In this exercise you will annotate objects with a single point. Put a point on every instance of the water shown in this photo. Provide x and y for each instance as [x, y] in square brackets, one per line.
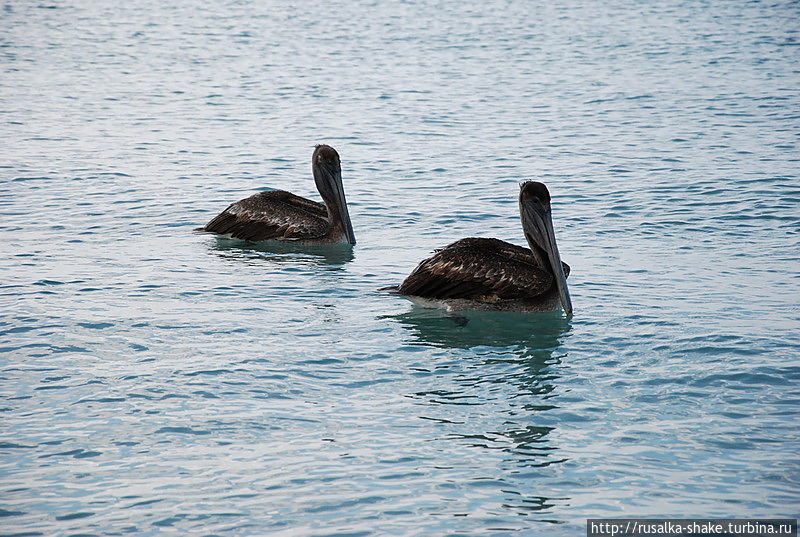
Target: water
[157, 380]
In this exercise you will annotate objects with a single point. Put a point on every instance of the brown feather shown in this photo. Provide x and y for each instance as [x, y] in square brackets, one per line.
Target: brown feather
[479, 269]
[272, 215]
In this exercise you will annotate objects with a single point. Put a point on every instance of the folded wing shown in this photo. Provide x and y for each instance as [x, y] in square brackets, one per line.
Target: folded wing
[271, 215]
[487, 269]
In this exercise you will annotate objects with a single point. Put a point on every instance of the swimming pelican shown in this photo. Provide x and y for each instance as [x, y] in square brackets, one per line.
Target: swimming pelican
[281, 216]
[490, 274]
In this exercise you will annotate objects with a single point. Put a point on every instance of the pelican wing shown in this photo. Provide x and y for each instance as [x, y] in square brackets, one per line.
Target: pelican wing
[486, 269]
[271, 215]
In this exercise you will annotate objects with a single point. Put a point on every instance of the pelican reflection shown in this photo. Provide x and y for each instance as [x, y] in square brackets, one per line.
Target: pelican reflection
[530, 333]
[496, 394]
[329, 256]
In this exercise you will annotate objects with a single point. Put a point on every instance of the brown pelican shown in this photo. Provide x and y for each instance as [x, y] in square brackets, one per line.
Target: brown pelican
[490, 274]
[281, 216]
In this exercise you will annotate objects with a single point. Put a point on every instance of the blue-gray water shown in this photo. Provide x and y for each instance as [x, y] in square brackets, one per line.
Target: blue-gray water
[158, 380]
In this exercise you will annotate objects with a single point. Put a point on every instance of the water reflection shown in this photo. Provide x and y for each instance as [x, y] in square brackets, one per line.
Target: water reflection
[534, 333]
[326, 256]
[508, 380]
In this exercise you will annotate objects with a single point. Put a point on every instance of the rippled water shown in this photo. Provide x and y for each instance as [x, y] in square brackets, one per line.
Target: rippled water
[158, 380]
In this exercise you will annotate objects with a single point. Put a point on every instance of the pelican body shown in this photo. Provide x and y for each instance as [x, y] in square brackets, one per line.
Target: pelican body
[490, 274]
[281, 216]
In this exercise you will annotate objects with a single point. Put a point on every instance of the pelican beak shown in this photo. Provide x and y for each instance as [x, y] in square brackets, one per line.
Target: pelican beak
[342, 202]
[538, 227]
[329, 182]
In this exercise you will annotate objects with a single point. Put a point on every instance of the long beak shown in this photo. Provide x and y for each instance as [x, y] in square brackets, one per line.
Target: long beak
[538, 227]
[341, 203]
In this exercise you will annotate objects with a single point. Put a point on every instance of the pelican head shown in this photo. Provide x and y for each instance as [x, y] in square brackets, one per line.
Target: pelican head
[328, 178]
[534, 210]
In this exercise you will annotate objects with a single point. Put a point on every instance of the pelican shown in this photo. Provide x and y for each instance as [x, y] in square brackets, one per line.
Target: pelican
[490, 274]
[281, 216]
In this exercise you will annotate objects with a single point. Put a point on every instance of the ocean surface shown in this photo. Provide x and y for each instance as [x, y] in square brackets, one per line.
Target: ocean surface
[155, 380]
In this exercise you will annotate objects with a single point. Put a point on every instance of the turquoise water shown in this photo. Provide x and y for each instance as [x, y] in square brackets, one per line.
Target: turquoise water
[155, 380]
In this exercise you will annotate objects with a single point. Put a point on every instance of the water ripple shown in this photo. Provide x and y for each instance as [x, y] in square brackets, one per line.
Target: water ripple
[155, 378]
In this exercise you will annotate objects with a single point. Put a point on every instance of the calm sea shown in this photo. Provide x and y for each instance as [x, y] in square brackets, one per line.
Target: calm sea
[155, 380]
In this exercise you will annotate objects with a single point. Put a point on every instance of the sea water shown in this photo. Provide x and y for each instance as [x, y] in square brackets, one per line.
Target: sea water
[158, 380]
